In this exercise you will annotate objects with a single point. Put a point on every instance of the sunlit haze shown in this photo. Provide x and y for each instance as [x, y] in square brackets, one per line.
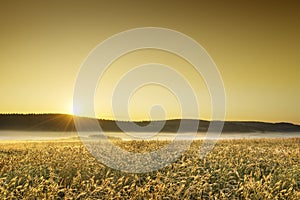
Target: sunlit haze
[255, 45]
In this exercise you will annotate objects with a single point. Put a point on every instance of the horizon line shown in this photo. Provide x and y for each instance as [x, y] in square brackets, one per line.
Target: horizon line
[142, 120]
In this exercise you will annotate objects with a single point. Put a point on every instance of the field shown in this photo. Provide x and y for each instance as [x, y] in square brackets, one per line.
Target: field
[235, 169]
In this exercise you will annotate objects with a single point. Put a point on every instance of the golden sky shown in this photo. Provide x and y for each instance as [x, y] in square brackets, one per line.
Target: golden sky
[255, 45]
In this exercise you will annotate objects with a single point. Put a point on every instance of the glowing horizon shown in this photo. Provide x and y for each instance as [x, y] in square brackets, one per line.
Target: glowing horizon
[254, 44]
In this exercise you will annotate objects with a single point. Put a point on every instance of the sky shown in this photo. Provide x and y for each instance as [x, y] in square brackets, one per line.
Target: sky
[255, 45]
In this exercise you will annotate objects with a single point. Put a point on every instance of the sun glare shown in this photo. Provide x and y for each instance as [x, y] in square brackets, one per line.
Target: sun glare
[70, 109]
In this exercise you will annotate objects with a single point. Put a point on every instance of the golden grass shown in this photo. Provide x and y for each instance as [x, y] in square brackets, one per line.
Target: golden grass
[235, 169]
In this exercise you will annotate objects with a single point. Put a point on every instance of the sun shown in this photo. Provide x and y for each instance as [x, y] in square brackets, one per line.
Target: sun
[69, 109]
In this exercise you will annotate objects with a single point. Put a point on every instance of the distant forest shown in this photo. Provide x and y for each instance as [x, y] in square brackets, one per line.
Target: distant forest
[63, 122]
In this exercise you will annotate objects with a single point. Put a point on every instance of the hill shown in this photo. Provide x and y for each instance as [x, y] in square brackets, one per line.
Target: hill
[62, 122]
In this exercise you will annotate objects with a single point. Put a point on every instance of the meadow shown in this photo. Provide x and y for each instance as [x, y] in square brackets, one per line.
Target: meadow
[235, 169]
